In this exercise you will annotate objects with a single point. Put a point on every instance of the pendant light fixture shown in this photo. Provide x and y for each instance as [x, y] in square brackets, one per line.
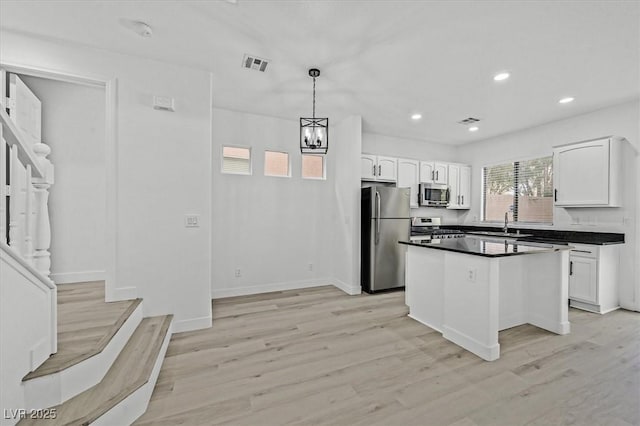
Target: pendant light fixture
[314, 132]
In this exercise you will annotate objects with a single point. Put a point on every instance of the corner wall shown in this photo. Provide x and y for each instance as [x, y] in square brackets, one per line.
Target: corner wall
[619, 120]
[73, 125]
[162, 172]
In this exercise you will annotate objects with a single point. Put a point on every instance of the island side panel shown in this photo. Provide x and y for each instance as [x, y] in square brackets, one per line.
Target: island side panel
[424, 285]
[511, 291]
[471, 311]
[547, 291]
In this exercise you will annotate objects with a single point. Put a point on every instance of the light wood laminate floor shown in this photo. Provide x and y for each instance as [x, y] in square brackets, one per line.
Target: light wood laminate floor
[86, 324]
[318, 356]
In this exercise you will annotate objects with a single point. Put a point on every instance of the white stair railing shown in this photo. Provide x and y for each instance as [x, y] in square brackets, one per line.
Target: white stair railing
[24, 223]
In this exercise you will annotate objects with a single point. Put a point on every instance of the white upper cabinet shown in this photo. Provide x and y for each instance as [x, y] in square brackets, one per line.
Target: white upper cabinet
[387, 168]
[368, 167]
[408, 177]
[378, 168]
[433, 172]
[588, 174]
[459, 186]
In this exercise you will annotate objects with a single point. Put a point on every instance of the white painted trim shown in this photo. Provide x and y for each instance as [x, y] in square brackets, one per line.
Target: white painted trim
[111, 157]
[54, 389]
[562, 327]
[191, 324]
[20, 265]
[438, 329]
[351, 290]
[488, 353]
[78, 277]
[135, 405]
[124, 293]
[268, 288]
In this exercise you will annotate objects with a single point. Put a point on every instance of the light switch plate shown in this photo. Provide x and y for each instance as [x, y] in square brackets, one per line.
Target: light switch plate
[163, 103]
[192, 221]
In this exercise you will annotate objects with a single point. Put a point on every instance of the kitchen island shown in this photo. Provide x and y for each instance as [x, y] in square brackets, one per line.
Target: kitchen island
[471, 288]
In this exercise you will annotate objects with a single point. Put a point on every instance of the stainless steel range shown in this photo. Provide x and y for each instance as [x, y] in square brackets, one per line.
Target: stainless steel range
[427, 229]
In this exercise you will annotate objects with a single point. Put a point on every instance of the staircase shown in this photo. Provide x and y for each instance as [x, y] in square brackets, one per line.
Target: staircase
[107, 362]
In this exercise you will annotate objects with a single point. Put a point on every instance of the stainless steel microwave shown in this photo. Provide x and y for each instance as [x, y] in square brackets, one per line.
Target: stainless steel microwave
[434, 195]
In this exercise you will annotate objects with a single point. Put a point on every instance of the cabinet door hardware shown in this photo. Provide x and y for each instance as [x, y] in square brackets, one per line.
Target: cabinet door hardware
[571, 268]
[555, 195]
[437, 172]
[433, 175]
[462, 199]
[374, 170]
[379, 170]
[580, 251]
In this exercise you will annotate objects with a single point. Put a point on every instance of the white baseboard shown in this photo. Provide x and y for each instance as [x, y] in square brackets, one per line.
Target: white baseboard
[121, 293]
[268, 288]
[558, 327]
[351, 290]
[191, 324]
[78, 277]
[488, 353]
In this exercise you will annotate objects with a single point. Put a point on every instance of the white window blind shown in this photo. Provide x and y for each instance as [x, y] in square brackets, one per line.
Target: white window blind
[236, 160]
[312, 166]
[523, 189]
[276, 164]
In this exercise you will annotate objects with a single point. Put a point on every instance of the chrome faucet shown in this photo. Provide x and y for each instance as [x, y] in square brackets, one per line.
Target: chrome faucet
[506, 223]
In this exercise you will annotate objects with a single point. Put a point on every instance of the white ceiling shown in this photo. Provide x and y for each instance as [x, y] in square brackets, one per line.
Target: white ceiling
[381, 59]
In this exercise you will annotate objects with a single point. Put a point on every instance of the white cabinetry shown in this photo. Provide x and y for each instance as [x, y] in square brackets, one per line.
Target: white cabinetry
[408, 177]
[433, 172]
[588, 174]
[460, 186]
[593, 277]
[378, 168]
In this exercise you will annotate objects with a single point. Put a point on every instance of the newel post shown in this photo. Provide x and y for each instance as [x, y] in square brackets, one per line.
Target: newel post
[42, 240]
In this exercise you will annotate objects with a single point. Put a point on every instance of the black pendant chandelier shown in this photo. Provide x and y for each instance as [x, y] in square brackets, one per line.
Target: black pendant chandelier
[314, 132]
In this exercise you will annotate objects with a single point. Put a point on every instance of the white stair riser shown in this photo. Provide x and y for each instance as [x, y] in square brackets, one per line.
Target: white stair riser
[135, 405]
[54, 389]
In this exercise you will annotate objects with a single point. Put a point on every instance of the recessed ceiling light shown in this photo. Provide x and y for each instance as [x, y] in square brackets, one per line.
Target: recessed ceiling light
[502, 76]
[416, 116]
[565, 100]
[474, 128]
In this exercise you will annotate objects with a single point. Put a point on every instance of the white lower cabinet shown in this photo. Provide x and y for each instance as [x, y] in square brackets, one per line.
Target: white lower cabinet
[593, 277]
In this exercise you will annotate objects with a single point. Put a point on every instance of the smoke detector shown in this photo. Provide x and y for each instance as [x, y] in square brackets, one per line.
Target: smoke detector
[141, 28]
[468, 121]
[252, 62]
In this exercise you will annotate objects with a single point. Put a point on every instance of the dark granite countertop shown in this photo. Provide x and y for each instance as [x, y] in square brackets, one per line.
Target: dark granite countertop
[487, 247]
[551, 236]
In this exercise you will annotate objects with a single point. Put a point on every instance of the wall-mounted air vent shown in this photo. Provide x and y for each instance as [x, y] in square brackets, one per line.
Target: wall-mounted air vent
[254, 63]
[469, 120]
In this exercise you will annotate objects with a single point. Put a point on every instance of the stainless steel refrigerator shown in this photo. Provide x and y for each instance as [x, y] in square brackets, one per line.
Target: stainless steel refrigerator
[385, 220]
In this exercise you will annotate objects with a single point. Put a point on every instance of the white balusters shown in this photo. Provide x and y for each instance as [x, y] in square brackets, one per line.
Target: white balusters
[42, 241]
[14, 205]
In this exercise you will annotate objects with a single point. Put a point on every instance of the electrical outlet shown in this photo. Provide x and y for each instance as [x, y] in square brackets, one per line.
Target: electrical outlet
[310, 267]
[238, 273]
[471, 275]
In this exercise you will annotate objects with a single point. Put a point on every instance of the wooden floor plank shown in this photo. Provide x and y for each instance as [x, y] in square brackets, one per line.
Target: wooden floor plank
[318, 356]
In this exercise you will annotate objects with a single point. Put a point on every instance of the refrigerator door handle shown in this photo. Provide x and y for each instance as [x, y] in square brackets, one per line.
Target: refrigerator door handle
[377, 217]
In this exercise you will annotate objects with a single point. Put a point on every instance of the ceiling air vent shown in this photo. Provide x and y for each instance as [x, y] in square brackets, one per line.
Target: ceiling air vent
[469, 120]
[254, 63]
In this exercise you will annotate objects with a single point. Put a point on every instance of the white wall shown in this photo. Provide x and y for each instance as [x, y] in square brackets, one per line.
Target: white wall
[162, 172]
[345, 161]
[620, 120]
[73, 126]
[274, 228]
[419, 150]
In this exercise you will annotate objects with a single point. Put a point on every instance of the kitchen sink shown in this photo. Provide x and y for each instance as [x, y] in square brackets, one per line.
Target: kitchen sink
[499, 234]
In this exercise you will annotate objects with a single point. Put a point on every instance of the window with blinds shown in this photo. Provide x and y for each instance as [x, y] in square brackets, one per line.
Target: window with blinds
[276, 164]
[523, 189]
[312, 166]
[236, 160]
